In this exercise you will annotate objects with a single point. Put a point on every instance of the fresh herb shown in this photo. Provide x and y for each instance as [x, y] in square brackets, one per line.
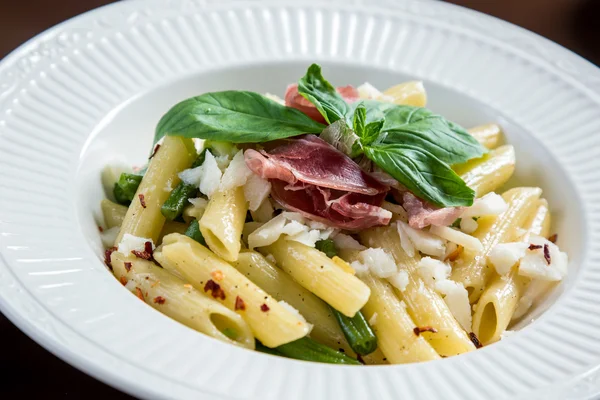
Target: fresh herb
[368, 132]
[323, 95]
[422, 173]
[327, 246]
[234, 116]
[125, 188]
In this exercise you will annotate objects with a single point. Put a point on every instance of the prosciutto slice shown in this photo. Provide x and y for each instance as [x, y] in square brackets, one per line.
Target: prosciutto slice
[296, 100]
[310, 176]
[422, 214]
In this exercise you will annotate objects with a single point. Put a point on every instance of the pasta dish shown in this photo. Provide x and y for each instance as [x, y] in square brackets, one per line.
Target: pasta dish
[341, 225]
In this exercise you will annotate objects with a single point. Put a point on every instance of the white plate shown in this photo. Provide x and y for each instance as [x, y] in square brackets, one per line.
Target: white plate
[93, 88]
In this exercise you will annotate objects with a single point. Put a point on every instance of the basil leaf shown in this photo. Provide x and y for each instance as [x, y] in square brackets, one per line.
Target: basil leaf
[340, 136]
[422, 173]
[323, 95]
[422, 128]
[367, 132]
[359, 120]
[234, 116]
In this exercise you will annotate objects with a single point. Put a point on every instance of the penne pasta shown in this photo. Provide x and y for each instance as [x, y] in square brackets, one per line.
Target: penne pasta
[143, 217]
[271, 322]
[488, 173]
[489, 135]
[113, 213]
[282, 287]
[425, 306]
[172, 297]
[316, 272]
[471, 267]
[223, 221]
[499, 300]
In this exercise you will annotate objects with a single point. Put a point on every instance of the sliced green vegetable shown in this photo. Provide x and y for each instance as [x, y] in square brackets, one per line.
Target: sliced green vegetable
[178, 199]
[327, 246]
[264, 349]
[357, 331]
[234, 116]
[309, 350]
[193, 231]
[125, 188]
[422, 173]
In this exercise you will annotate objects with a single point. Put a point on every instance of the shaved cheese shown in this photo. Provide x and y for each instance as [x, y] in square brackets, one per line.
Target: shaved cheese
[458, 237]
[307, 237]
[399, 280]
[368, 91]
[405, 241]
[534, 264]
[490, 204]
[457, 299]
[504, 255]
[359, 267]
[256, 191]
[268, 233]
[108, 236]
[433, 271]
[236, 174]
[468, 225]
[130, 243]
[326, 233]
[347, 242]
[373, 319]
[207, 176]
[198, 202]
[286, 223]
[191, 176]
[294, 216]
[380, 263]
[424, 241]
[293, 228]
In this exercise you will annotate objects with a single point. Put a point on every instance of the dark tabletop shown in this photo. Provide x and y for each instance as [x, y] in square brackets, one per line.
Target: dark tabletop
[26, 369]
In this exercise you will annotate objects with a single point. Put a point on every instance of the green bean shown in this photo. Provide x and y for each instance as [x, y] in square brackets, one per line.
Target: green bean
[178, 199]
[357, 331]
[125, 188]
[193, 231]
[327, 246]
[309, 350]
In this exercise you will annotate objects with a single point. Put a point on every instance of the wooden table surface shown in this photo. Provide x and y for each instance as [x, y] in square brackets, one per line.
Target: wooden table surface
[29, 371]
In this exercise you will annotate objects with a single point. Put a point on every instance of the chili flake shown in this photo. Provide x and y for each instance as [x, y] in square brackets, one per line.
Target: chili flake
[123, 281]
[454, 255]
[107, 254]
[127, 266]
[101, 229]
[239, 304]
[553, 238]
[264, 308]
[475, 340]
[159, 300]
[139, 293]
[534, 247]
[215, 289]
[154, 152]
[420, 329]
[142, 200]
[547, 253]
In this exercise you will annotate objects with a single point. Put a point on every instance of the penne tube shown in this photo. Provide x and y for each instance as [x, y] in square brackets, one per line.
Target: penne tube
[271, 322]
[471, 267]
[410, 93]
[331, 281]
[489, 135]
[499, 300]
[143, 217]
[391, 322]
[181, 302]
[113, 213]
[424, 305]
[223, 221]
[282, 287]
[488, 173]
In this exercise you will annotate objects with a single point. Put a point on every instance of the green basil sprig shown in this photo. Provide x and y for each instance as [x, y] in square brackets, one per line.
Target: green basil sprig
[234, 116]
[323, 95]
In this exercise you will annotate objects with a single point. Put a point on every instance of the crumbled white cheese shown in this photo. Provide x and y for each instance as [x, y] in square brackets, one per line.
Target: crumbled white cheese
[405, 242]
[468, 225]
[275, 98]
[490, 204]
[191, 176]
[380, 263]
[373, 319]
[435, 274]
[256, 191]
[268, 233]
[359, 267]
[424, 241]
[347, 242]
[399, 280]
[207, 176]
[458, 237]
[130, 243]
[237, 173]
[198, 201]
[294, 216]
[325, 233]
[287, 223]
[108, 236]
[307, 237]
[294, 228]
[535, 266]
[505, 255]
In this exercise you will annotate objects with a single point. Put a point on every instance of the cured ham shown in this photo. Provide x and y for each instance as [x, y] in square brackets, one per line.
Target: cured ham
[310, 176]
[296, 100]
[422, 214]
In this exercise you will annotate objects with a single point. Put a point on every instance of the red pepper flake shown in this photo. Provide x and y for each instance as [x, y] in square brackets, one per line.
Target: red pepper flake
[107, 254]
[420, 329]
[127, 266]
[139, 293]
[159, 300]
[547, 253]
[142, 200]
[239, 304]
[154, 152]
[264, 308]
[475, 340]
[534, 247]
[553, 238]
[146, 254]
[360, 359]
[454, 255]
[215, 289]
[101, 229]
[123, 281]
[217, 275]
